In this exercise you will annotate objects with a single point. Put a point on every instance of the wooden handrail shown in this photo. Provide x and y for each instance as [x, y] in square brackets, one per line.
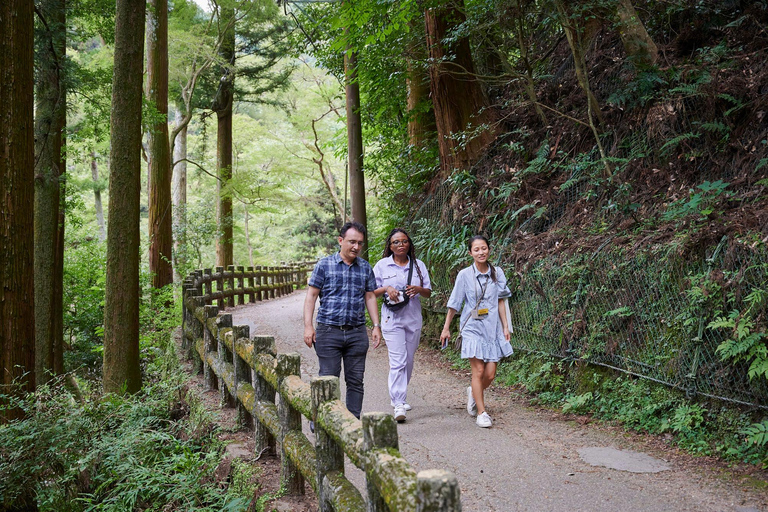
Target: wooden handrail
[250, 373]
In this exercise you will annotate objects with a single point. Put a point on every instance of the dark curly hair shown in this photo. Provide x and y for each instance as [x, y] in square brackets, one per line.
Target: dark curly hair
[411, 250]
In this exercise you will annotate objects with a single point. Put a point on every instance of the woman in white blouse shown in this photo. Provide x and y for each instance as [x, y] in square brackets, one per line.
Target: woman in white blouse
[401, 319]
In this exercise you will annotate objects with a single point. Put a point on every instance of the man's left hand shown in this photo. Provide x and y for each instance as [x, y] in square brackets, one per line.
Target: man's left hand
[376, 334]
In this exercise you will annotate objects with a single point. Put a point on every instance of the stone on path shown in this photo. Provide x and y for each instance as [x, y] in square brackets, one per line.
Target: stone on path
[622, 460]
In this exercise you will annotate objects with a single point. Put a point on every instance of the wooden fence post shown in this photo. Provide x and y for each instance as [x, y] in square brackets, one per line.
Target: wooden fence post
[251, 294]
[291, 478]
[242, 373]
[265, 441]
[379, 431]
[198, 332]
[210, 344]
[230, 286]
[260, 283]
[219, 278]
[223, 321]
[329, 453]
[438, 491]
[241, 285]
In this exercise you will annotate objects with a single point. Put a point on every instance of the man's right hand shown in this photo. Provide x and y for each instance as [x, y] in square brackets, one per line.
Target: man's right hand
[309, 336]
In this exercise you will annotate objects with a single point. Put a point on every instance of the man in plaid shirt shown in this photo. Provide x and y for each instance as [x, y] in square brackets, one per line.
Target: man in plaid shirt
[345, 285]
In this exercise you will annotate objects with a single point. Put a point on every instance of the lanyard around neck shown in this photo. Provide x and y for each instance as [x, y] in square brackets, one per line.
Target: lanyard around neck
[477, 281]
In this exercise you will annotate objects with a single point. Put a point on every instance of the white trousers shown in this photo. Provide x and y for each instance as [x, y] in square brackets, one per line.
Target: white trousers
[401, 345]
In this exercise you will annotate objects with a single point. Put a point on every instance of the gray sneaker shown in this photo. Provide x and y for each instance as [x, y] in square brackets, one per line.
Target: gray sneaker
[471, 405]
[483, 420]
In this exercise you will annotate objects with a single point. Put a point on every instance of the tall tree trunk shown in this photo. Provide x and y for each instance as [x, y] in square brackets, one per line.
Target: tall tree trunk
[57, 328]
[420, 122]
[97, 197]
[160, 216]
[121, 304]
[50, 122]
[579, 37]
[222, 105]
[17, 171]
[355, 144]
[465, 124]
[179, 192]
[637, 43]
[519, 13]
[248, 237]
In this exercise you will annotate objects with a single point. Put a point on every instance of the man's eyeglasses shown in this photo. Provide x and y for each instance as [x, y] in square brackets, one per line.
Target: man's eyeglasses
[355, 243]
[398, 243]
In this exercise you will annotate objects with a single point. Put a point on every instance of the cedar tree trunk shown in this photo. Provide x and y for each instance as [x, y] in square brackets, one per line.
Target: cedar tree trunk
[355, 144]
[160, 216]
[50, 122]
[179, 193]
[17, 156]
[459, 102]
[121, 307]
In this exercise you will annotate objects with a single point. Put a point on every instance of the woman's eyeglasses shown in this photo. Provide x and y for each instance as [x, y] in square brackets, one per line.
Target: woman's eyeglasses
[398, 243]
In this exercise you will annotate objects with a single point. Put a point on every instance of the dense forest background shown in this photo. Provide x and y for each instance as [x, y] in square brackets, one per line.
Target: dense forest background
[615, 153]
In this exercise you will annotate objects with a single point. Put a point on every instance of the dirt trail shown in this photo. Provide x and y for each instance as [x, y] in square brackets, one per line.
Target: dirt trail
[529, 460]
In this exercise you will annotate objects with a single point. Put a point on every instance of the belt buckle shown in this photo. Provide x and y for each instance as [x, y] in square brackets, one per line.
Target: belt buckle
[345, 327]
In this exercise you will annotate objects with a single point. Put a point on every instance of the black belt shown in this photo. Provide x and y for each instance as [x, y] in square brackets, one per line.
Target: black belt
[345, 327]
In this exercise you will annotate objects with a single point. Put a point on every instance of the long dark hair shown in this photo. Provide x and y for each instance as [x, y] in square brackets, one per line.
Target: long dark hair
[411, 250]
[469, 248]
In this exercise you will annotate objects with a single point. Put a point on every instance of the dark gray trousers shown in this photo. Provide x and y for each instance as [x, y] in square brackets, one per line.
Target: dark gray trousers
[333, 346]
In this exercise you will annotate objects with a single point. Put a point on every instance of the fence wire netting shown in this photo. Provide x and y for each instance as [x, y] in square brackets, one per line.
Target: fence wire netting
[646, 313]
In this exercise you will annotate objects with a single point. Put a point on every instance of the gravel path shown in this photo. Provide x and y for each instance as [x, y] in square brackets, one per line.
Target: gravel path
[529, 460]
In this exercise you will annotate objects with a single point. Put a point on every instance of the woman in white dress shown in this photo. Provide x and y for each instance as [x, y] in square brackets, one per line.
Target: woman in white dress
[483, 323]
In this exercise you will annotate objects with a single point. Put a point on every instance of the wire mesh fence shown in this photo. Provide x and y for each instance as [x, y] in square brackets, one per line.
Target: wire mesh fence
[684, 321]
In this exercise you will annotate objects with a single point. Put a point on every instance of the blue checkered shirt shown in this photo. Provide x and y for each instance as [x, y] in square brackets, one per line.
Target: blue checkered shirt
[342, 289]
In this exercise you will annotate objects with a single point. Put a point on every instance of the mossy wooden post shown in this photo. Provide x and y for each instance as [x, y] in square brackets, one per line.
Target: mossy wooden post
[186, 293]
[438, 491]
[291, 478]
[251, 294]
[231, 286]
[210, 344]
[220, 288]
[198, 333]
[228, 396]
[271, 278]
[208, 285]
[241, 285]
[242, 373]
[329, 453]
[265, 442]
[379, 431]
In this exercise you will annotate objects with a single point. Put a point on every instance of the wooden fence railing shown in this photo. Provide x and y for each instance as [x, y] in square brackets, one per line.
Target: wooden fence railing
[249, 373]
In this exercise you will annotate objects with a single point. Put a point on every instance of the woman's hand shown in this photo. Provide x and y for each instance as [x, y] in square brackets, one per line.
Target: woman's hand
[412, 290]
[393, 294]
[445, 336]
[506, 333]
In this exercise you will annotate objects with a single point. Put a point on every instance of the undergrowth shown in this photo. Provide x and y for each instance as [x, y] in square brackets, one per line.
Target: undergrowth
[701, 428]
[156, 450]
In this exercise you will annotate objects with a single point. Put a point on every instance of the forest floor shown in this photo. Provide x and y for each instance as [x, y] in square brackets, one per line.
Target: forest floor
[533, 459]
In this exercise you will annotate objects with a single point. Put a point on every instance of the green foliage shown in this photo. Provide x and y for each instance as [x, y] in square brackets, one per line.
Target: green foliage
[746, 340]
[156, 450]
[701, 202]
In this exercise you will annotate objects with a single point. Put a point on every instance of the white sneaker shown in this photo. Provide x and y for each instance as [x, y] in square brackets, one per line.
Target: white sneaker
[471, 405]
[407, 407]
[483, 420]
[399, 413]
